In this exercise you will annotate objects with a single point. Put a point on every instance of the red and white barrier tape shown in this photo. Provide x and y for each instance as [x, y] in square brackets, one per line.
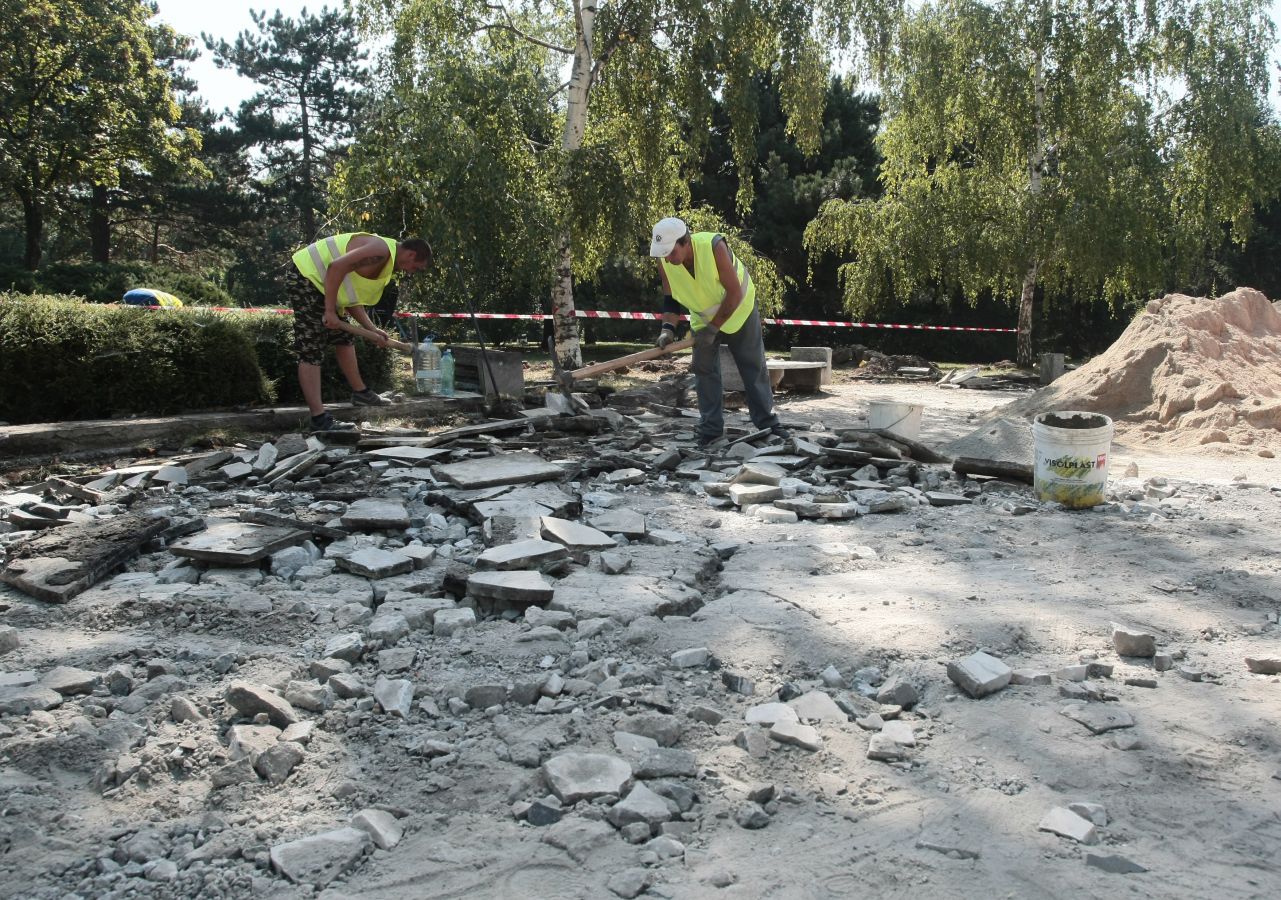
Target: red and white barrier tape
[603, 314]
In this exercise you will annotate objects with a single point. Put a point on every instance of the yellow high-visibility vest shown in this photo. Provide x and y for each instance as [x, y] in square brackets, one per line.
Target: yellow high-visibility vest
[356, 290]
[702, 293]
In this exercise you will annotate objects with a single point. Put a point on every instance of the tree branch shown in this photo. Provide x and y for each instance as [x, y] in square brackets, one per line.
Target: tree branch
[510, 25]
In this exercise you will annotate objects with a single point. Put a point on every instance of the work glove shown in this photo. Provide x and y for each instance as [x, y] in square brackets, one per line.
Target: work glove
[705, 337]
[665, 337]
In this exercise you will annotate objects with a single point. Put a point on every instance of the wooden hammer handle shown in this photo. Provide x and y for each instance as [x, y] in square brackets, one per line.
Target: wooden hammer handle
[610, 365]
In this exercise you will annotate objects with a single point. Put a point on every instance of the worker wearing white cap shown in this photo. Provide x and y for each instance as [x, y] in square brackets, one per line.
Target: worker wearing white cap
[702, 274]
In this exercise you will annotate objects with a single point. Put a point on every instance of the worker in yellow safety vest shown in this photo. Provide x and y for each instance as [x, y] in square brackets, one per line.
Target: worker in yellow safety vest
[701, 274]
[332, 282]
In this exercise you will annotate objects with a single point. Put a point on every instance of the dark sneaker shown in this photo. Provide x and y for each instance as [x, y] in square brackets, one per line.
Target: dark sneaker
[366, 398]
[326, 422]
[779, 433]
[704, 442]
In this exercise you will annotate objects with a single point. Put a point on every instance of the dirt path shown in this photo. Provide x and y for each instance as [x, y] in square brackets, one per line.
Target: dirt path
[1191, 792]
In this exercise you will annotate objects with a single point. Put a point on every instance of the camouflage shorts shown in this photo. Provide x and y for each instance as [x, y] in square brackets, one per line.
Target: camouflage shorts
[310, 334]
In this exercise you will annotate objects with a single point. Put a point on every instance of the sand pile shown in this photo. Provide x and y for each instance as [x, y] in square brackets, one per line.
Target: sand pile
[1188, 371]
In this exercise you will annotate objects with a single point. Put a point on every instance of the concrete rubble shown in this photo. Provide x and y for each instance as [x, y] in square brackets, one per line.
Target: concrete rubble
[301, 665]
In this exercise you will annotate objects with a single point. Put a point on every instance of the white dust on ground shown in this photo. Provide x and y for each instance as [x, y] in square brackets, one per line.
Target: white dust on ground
[1188, 372]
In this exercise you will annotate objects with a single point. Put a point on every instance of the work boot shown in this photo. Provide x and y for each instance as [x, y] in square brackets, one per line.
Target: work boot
[326, 422]
[706, 441]
[779, 433]
[366, 398]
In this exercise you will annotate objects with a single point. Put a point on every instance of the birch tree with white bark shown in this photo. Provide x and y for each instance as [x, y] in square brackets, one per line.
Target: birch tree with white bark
[635, 84]
[1060, 147]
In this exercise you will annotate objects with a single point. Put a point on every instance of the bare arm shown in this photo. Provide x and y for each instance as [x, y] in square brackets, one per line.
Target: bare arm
[729, 280]
[360, 315]
[668, 318]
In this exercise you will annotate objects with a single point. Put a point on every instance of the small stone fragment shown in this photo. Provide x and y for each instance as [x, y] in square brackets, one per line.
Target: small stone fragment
[250, 699]
[380, 825]
[751, 816]
[394, 695]
[1132, 642]
[692, 658]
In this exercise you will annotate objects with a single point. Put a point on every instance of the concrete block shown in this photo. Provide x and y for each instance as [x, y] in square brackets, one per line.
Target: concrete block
[979, 674]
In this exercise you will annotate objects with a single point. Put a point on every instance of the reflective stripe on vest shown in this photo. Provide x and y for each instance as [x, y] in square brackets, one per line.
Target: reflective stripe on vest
[702, 293]
[355, 289]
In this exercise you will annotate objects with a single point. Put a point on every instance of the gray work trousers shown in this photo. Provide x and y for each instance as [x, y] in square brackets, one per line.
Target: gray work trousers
[748, 349]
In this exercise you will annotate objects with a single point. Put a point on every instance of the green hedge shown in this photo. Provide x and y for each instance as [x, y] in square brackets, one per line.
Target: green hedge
[108, 282]
[62, 358]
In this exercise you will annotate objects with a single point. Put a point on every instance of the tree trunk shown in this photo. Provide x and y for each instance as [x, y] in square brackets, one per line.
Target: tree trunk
[1024, 358]
[33, 221]
[1036, 165]
[99, 225]
[580, 83]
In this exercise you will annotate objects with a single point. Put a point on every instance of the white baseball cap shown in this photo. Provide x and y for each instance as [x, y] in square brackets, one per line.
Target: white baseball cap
[666, 234]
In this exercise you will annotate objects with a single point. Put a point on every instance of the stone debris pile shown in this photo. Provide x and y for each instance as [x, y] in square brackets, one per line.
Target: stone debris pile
[320, 654]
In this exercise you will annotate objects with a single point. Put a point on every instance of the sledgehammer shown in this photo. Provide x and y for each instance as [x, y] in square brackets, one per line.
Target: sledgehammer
[360, 331]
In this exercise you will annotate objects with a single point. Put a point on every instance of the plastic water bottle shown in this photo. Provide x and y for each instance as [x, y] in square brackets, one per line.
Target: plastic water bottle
[427, 375]
[447, 374]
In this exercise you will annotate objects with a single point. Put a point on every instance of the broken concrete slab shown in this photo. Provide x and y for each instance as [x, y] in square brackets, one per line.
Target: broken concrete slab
[21, 700]
[979, 674]
[376, 514]
[794, 733]
[575, 535]
[371, 562]
[529, 554]
[1065, 823]
[70, 681]
[817, 706]
[409, 454]
[585, 776]
[502, 468]
[61, 564]
[1264, 665]
[522, 587]
[760, 472]
[320, 858]
[1097, 717]
[753, 494]
[237, 543]
[629, 523]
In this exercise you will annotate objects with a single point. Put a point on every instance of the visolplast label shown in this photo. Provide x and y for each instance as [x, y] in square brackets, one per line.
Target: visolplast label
[1075, 466]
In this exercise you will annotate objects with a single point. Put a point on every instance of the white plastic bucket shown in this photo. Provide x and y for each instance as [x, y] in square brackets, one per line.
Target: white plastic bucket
[1071, 457]
[903, 419]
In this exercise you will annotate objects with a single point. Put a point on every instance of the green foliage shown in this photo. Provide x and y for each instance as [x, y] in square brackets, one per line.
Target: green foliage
[470, 145]
[83, 98]
[1088, 148]
[272, 338]
[310, 72]
[61, 358]
[108, 282]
